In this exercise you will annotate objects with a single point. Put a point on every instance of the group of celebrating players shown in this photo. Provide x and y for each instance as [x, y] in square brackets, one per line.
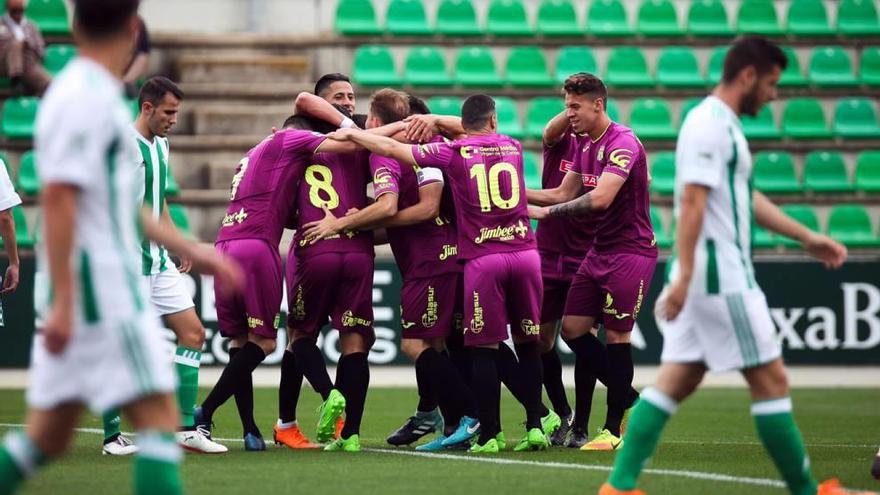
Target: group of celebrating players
[450, 199]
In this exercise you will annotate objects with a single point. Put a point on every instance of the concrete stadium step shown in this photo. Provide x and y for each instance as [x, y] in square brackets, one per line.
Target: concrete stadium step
[251, 92]
[238, 120]
[243, 67]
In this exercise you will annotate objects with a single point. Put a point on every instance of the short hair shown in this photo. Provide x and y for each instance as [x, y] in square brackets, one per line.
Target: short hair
[155, 89]
[297, 122]
[389, 105]
[477, 111]
[417, 106]
[327, 79]
[755, 51]
[103, 18]
[360, 120]
[584, 83]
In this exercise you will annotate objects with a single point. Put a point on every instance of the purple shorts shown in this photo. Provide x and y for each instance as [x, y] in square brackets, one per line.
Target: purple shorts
[257, 309]
[431, 307]
[334, 286]
[557, 271]
[611, 288]
[499, 289]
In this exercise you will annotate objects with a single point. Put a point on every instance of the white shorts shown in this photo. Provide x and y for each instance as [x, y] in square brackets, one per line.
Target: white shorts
[108, 364]
[725, 332]
[168, 292]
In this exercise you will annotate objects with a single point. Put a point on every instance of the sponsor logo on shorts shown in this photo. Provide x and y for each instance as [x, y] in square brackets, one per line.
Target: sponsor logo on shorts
[529, 327]
[500, 233]
[233, 218]
[609, 308]
[477, 322]
[299, 304]
[621, 158]
[350, 320]
[639, 299]
[254, 322]
[449, 250]
[429, 319]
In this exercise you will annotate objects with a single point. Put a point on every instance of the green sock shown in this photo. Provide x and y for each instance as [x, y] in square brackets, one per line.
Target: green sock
[187, 362]
[648, 418]
[111, 421]
[782, 439]
[157, 465]
[19, 458]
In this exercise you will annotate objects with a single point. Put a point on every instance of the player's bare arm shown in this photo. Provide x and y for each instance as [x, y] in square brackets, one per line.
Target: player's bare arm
[427, 208]
[555, 129]
[309, 104]
[185, 262]
[825, 249]
[380, 145]
[422, 128]
[599, 199]
[7, 233]
[59, 210]
[384, 207]
[338, 143]
[569, 189]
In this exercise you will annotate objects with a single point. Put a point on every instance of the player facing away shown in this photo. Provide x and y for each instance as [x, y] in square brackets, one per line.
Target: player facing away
[412, 206]
[712, 314]
[613, 279]
[502, 282]
[99, 342]
[159, 102]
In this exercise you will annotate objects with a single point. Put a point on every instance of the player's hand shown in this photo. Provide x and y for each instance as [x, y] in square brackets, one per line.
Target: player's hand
[274, 130]
[185, 264]
[671, 300]
[831, 253]
[351, 211]
[341, 134]
[227, 271]
[58, 327]
[10, 280]
[321, 229]
[420, 128]
[538, 212]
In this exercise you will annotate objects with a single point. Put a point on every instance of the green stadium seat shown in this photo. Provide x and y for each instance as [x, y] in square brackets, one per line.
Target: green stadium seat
[540, 111]
[830, 66]
[374, 66]
[23, 237]
[425, 66]
[508, 117]
[663, 172]
[774, 173]
[172, 188]
[763, 126]
[532, 170]
[608, 18]
[657, 18]
[855, 118]
[49, 15]
[28, 182]
[508, 18]
[558, 18]
[651, 118]
[857, 17]
[763, 238]
[445, 105]
[851, 225]
[687, 106]
[792, 75]
[19, 116]
[758, 17]
[678, 67]
[803, 118]
[803, 214]
[808, 18]
[407, 18]
[825, 172]
[181, 220]
[708, 18]
[716, 64]
[457, 18]
[627, 67]
[475, 66]
[526, 67]
[868, 171]
[662, 236]
[356, 17]
[574, 59]
[869, 67]
[57, 57]
[613, 110]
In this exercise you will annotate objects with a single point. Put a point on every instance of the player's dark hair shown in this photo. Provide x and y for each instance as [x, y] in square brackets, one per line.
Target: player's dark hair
[417, 106]
[103, 18]
[327, 79]
[389, 105]
[476, 112]
[586, 84]
[297, 122]
[754, 51]
[155, 89]
[360, 120]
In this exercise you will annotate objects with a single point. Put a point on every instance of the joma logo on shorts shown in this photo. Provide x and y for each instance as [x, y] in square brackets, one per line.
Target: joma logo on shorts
[349, 320]
[609, 309]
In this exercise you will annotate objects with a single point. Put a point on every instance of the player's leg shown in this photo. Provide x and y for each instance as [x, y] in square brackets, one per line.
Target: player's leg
[875, 467]
[556, 283]
[427, 418]
[115, 443]
[157, 465]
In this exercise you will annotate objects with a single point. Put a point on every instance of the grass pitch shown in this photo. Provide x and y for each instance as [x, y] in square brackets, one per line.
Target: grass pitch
[709, 447]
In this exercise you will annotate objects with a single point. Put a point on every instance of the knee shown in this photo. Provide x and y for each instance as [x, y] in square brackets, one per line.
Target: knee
[192, 337]
[616, 337]
[412, 347]
[352, 343]
[548, 338]
[571, 331]
[267, 345]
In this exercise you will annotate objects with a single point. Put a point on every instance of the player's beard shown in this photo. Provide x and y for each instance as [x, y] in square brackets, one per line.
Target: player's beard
[750, 104]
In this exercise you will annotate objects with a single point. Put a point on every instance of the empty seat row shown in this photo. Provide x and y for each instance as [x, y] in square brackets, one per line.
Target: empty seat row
[527, 66]
[607, 18]
[775, 173]
[19, 116]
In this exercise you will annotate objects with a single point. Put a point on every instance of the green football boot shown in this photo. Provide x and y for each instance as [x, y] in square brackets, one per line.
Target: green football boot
[490, 447]
[328, 413]
[550, 423]
[350, 444]
[502, 440]
[535, 439]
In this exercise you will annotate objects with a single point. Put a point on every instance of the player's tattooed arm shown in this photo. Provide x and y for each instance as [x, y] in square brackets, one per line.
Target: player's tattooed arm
[599, 199]
[555, 129]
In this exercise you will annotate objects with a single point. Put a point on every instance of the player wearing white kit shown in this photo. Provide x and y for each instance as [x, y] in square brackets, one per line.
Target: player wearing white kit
[8, 200]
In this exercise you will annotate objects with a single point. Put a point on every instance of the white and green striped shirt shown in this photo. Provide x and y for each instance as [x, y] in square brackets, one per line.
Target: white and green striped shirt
[712, 151]
[152, 179]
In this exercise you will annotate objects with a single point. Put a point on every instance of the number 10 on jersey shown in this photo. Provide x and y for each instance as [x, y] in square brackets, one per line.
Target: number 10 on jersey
[489, 185]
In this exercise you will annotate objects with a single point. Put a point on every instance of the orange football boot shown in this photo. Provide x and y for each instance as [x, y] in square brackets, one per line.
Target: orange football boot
[607, 489]
[292, 437]
[832, 487]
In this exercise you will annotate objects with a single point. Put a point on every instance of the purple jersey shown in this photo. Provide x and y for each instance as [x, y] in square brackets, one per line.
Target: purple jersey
[338, 182]
[625, 227]
[425, 249]
[265, 184]
[564, 235]
[485, 174]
